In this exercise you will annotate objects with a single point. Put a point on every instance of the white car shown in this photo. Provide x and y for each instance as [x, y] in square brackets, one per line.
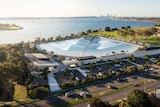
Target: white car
[67, 94]
[83, 93]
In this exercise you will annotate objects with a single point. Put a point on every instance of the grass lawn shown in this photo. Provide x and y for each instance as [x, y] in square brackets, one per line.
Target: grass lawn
[112, 34]
[138, 38]
[20, 92]
[153, 41]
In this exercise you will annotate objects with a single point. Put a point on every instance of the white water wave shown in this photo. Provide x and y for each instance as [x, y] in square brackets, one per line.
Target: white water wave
[108, 44]
[64, 45]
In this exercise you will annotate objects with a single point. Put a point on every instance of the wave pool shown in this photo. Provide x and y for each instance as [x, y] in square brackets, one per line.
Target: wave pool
[87, 46]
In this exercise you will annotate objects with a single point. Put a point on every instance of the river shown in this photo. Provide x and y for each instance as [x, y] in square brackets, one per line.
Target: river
[45, 28]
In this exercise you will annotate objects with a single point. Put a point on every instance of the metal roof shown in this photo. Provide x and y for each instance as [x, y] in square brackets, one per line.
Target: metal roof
[39, 56]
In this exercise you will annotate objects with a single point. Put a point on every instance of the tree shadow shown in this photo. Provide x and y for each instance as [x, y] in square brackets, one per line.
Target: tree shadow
[47, 102]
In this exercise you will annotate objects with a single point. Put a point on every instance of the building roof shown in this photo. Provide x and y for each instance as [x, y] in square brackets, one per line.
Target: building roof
[85, 58]
[39, 56]
[40, 60]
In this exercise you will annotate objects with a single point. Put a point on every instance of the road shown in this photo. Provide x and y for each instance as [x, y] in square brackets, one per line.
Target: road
[122, 94]
[110, 98]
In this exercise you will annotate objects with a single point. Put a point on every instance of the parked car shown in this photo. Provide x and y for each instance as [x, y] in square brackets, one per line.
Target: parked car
[120, 79]
[83, 93]
[67, 94]
[112, 87]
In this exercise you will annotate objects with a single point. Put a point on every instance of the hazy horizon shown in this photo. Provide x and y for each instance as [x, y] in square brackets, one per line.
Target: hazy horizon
[79, 8]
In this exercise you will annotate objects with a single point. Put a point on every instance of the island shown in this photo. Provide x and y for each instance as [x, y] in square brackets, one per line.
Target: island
[9, 27]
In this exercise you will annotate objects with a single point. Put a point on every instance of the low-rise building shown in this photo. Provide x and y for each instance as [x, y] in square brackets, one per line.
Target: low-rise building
[41, 61]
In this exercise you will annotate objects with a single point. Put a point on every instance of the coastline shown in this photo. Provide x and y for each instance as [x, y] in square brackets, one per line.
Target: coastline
[138, 19]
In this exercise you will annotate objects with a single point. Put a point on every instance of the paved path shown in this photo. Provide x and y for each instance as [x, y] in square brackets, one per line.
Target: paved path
[121, 94]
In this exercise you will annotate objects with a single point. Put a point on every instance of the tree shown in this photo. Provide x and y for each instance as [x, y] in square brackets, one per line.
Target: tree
[76, 82]
[95, 102]
[40, 92]
[138, 98]
[132, 33]
[91, 66]
[132, 58]
[66, 72]
[84, 81]
[118, 73]
[123, 27]
[89, 31]
[146, 57]
[128, 27]
[131, 69]
[113, 52]
[110, 72]
[123, 103]
[122, 51]
[107, 28]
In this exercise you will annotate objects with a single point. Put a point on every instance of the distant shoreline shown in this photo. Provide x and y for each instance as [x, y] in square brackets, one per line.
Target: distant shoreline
[21, 18]
[140, 19]
[9, 27]
[146, 19]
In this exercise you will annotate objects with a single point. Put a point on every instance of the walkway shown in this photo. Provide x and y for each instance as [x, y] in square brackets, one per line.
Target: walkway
[133, 63]
[52, 82]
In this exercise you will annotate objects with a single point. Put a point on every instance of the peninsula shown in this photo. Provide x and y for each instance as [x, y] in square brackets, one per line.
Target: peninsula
[9, 27]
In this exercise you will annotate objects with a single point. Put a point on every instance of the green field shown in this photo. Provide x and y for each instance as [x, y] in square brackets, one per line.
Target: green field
[153, 41]
[139, 38]
[111, 34]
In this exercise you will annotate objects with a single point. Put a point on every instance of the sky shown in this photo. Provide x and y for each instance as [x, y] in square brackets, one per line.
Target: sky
[72, 8]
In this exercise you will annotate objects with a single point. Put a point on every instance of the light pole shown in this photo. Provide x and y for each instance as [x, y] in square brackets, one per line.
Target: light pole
[76, 100]
[84, 99]
[144, 80]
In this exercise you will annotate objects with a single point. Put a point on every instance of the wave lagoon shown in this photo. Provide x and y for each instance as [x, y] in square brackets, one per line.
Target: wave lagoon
[85, 46]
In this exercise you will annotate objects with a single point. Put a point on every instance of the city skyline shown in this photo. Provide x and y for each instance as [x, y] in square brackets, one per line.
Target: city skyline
[77, 8]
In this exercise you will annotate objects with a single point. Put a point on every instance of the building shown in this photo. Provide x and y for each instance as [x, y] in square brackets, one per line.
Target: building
[41, 61]
[79, 61]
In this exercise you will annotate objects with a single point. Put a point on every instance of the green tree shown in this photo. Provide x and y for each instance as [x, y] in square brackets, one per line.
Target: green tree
[89, 31]
[123, 103]
[107, 28]
[95, 102]
[131, 69]
[138, 98]
[84, 81]
[128, 27]
[66, 72]
[40, 92]
[146, 57]
[113, 52]
[91, 66]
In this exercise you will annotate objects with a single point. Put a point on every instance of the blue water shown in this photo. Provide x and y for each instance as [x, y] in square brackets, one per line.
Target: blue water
[100, 46]
[45, 28]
